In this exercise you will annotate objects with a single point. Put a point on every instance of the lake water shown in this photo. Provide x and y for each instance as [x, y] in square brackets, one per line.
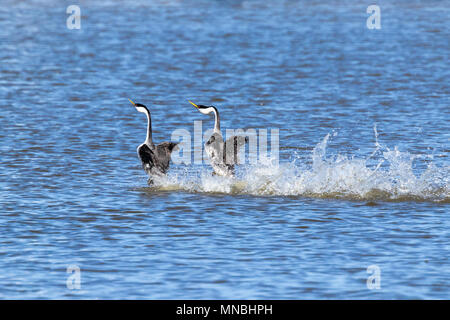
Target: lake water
[363, 174]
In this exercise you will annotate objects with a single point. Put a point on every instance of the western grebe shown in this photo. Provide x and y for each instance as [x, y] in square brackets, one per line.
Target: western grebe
[222, 155]
[155, 159]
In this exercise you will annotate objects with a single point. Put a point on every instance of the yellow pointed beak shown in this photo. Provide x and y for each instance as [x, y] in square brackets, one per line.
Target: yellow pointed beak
[193, 104]
[132, 102]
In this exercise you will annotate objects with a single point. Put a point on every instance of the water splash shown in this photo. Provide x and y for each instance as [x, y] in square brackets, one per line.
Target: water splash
[391, 178]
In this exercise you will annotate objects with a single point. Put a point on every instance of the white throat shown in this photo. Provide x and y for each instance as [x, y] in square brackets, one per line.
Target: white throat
[148, 139]
[216, 117]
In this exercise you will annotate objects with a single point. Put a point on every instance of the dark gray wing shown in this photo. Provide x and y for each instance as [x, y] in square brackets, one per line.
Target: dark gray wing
[147, 157]
[231, 149]
[163, 152]
[214, 148]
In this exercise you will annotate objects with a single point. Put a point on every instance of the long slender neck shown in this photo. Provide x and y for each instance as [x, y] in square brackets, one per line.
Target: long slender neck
[149, 139]
[216, 120]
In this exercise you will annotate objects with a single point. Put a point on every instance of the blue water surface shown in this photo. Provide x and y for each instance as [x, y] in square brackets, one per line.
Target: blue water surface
[363, 175]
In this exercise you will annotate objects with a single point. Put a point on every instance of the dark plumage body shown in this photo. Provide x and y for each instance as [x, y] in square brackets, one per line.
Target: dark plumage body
[155, 159]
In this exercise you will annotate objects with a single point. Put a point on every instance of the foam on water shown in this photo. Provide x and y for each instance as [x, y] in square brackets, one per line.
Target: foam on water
[390, 178]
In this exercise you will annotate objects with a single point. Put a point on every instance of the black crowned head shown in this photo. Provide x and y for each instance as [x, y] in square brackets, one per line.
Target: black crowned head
[204, 109]
[139, 107]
